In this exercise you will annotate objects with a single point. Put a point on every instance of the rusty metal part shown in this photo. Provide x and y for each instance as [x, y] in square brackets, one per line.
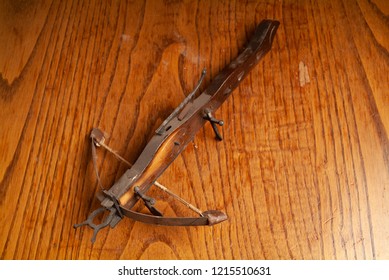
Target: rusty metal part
[112, 219]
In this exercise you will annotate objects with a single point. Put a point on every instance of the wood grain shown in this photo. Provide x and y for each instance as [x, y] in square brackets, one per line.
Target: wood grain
[302, 173]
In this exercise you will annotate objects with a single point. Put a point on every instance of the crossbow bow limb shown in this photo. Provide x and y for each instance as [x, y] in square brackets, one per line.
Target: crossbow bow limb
[170, 139]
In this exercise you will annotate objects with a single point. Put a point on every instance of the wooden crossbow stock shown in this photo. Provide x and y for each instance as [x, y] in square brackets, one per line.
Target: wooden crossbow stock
[170, 139]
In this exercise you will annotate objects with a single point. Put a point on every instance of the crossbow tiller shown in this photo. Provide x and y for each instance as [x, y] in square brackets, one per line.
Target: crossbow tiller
[169, 140]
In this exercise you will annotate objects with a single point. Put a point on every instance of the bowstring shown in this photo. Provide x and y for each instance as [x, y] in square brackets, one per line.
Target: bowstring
[157, 184]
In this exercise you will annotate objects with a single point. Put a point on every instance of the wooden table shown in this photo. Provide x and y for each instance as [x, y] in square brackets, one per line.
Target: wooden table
[302, 173]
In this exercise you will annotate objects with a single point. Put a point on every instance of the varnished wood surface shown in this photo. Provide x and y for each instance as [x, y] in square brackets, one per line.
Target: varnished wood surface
[303, 171]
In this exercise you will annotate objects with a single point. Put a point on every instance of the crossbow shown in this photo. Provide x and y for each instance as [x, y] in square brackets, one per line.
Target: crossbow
[169, 140]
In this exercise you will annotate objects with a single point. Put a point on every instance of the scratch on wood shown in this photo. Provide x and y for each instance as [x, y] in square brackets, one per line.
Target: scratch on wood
[303, 74]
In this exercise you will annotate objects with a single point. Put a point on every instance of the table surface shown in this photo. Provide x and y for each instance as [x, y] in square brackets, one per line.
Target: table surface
[302, 173]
